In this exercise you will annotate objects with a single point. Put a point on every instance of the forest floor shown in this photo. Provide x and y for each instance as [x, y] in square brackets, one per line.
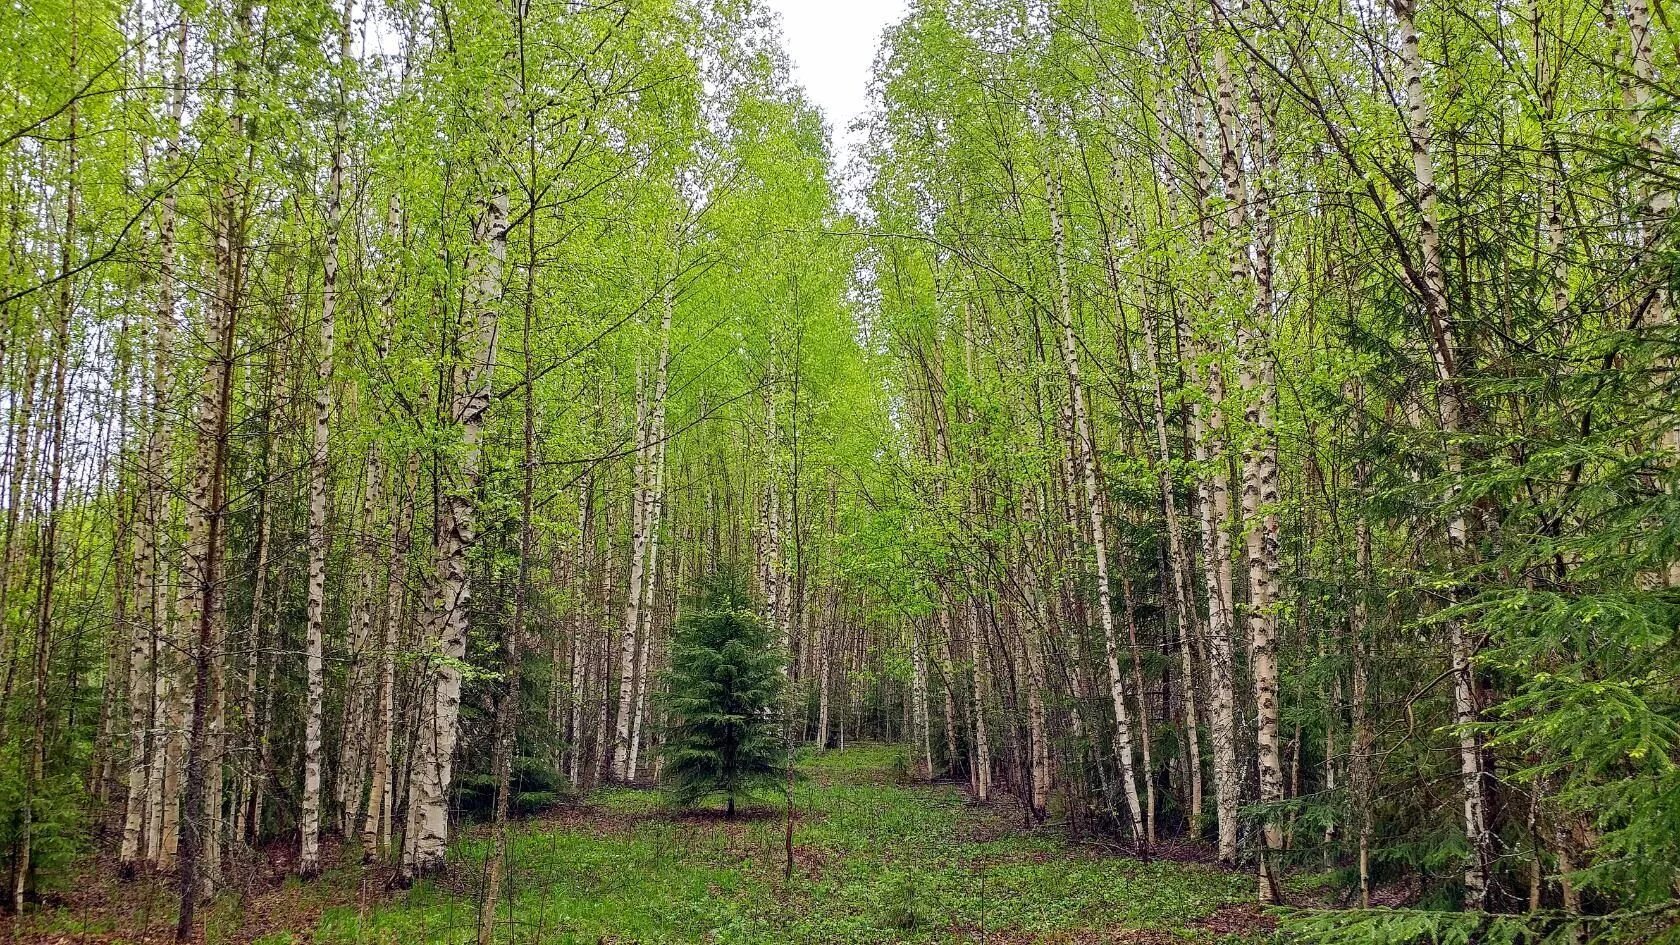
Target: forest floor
[876, 859]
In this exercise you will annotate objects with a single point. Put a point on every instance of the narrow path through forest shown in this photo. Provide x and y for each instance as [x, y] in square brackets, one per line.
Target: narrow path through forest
[877, 859]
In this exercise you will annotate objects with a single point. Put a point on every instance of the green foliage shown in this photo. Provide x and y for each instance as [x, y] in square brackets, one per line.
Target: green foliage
[901, 908]
[59, 819]
[1426, 927]
[1408, 927]
[536, 787]
[725, 687]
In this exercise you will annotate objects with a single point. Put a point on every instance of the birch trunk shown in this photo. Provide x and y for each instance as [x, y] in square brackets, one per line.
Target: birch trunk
[433, 758]
[1129, 613]
[508, 703]
[1359, 762]
[981, 776]
[48, 552]
[922, 739]
[580, 649]
[655, 512]
[144, 667]
[205, 515]
[1214, 512]
[1034, 616]
[309, 857]
[944, 657]
[1432, 290]
[1251, 272]
[251, 734]
[1086, 445]
[376, 821]
[1178, 561]
[1658, 201]
[824, 670]
[641, 527]
[355, 744]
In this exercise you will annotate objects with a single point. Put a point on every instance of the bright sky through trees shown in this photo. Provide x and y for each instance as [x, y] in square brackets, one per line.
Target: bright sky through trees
[832, 44]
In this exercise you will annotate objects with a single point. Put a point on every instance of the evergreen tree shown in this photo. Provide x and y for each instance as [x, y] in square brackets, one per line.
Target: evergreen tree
[725, 685]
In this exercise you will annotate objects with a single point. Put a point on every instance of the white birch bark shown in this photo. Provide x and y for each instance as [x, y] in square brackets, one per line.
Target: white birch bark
[309, 856]
[655, 513]
[1214, 512]
[1251, 274]
[1086, 444]
[1178, 561]
[642, 526]
[1432, 290]
[144, 668]
[433, 758]
[981, 776]
[579, 623]
[1658, 201]
[376, 814]
[376, 821]
[202, 617]
[921, 737]
[1432, 282]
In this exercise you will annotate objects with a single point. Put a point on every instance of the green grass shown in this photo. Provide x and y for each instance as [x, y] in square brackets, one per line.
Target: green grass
[876, 861]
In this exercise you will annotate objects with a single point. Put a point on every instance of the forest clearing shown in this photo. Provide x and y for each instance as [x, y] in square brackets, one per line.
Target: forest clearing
[876, 859]
[1219, 459]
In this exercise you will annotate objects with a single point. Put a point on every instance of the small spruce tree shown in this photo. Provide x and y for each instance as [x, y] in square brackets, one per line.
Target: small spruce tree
[725, 688]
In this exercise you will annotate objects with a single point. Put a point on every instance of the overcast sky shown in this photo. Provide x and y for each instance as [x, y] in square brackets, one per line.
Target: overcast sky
[832, 44]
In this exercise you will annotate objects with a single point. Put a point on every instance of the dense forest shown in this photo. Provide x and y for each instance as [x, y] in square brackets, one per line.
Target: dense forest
[1245, 426]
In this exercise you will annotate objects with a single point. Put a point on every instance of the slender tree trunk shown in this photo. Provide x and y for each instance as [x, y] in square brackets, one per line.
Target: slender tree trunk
[1251, 272]
[642, 526]
[981, 775]
[145, 666]
[506, 731]
[309, 858]
[251, 736]
[1129, 613]
[580, 643]
[922, 739]
[628, 649]
[376, 823]
[1178, 561]
[1086, 444]
[433, 758]
[54, 448]
[1432, 289]
[656, 507]
[206, 513]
